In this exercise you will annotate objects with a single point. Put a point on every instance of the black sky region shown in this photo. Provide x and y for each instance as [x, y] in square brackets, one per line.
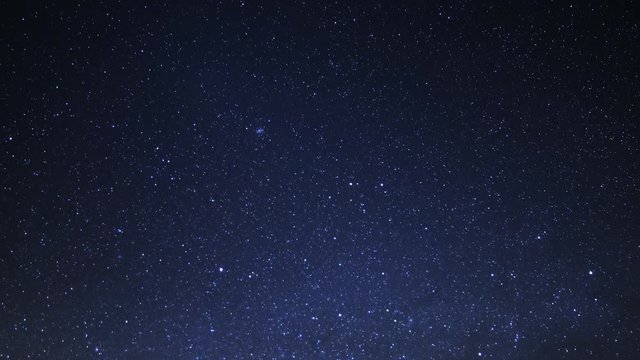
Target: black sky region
[319, 180]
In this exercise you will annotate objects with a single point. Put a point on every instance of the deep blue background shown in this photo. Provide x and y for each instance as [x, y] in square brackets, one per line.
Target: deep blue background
[319, 180]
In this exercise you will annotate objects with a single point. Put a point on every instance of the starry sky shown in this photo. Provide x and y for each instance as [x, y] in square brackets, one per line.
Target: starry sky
[319, 180]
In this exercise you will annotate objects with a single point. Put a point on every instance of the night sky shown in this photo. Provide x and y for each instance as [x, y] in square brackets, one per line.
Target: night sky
[320, 180]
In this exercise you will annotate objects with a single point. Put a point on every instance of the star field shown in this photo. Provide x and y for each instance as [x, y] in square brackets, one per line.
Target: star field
[319, 180]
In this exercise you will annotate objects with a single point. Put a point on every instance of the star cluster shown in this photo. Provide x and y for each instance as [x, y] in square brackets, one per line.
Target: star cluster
[319, 180]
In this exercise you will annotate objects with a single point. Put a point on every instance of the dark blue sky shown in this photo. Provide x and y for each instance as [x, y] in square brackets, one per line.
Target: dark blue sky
[319, 180]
